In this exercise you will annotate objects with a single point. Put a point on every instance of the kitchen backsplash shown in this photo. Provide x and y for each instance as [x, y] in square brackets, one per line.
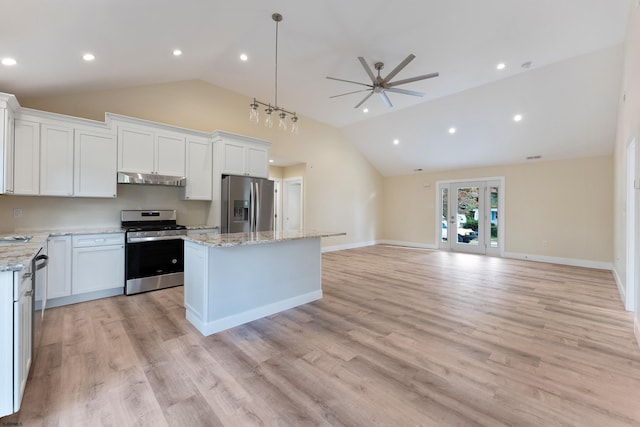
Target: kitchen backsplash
[46, 213]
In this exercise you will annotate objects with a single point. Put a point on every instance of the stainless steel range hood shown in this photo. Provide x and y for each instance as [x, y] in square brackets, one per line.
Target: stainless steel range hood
[151, 179]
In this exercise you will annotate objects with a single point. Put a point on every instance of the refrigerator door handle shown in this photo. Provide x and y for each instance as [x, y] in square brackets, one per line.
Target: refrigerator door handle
[257, 206]
[251, 210]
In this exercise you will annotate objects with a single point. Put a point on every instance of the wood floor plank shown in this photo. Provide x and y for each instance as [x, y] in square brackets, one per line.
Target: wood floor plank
[401, 337]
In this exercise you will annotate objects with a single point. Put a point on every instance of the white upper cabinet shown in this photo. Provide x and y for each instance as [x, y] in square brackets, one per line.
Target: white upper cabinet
[7, 103]
[239, 155]
[26, 177]
[56, 160]
[6, 150]
[199, 169]
[95, 164]
[143, 149]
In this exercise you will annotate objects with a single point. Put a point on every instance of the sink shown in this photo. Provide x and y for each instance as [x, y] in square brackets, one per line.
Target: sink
[15, 239]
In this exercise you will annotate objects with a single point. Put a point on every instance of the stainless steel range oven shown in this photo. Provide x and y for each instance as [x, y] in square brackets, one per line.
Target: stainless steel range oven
[154, 250]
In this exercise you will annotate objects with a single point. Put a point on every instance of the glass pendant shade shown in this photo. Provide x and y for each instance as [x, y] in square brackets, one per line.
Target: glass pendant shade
[268, 121]
[294, 124]
[254, 116]
[282, 125]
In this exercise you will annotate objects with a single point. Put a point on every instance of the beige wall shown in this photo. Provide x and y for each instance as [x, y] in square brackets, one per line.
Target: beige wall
[343, 191]
[568, 203]
[628, 130]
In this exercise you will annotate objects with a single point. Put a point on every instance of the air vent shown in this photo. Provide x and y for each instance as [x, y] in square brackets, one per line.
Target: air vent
[418, 170]
[534, 157]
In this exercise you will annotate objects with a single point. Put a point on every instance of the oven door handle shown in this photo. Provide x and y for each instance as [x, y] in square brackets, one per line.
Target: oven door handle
[152, 239]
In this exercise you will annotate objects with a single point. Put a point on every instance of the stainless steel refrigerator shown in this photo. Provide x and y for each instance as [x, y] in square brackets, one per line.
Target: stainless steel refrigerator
[247, 204]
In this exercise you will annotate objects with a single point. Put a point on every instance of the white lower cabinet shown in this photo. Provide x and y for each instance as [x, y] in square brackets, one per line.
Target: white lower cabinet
[59, 267]
[98, 263]
[15, 337]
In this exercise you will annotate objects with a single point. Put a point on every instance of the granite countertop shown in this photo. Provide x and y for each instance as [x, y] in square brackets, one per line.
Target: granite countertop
[202, 227]
[15, 256]
[238, 239]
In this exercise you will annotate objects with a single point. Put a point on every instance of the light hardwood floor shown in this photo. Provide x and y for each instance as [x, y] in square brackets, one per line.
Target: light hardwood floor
[402, 337]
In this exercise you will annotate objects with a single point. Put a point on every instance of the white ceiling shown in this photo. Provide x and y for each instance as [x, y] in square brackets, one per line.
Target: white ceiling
[568, 97]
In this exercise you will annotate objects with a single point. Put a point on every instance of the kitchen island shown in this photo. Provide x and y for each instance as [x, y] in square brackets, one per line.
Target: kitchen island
[232, 279]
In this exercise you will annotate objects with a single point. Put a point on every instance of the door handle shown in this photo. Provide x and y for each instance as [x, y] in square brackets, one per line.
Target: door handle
[257, 206]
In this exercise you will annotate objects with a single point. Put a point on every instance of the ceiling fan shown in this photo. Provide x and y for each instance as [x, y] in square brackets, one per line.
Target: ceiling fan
[382, 85]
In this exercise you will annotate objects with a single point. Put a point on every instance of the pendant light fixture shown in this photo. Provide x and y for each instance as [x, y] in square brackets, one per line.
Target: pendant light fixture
[273, 109]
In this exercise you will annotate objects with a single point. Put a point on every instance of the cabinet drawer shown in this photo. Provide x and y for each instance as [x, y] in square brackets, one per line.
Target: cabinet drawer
[85, 240]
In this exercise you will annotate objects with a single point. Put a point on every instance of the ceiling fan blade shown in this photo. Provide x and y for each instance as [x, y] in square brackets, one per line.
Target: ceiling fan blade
[349, 93]
[350, 81]
[367, 69]
[386, 99]
[413, 79]
[363, 101]
[399, 68]
[404, 91]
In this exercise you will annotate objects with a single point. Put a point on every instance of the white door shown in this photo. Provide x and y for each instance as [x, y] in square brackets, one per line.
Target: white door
[293, 199]
[471, 217]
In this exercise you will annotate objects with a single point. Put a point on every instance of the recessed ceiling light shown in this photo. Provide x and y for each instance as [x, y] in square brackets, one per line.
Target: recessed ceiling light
[243, 57]
[396, 141]
[270, 160]
[88, 57]
[177, 52]
[9, 62]
[452, 130]
[366, 110]
[501, 66]
[517, 118]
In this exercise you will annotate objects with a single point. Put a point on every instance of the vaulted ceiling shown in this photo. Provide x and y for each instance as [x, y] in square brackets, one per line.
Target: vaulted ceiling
[567, 96]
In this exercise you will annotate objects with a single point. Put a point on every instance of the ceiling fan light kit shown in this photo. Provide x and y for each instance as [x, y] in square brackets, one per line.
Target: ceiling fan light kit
[254, 114]
[382, 85]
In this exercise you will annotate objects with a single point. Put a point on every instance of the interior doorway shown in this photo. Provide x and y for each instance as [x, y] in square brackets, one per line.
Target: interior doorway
[471, 216]
[293, 218]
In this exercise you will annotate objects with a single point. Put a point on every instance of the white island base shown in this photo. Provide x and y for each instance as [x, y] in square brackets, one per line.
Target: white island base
[229, 284]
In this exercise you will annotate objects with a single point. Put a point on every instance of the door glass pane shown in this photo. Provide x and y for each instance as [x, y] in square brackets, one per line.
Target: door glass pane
[467, 215]
[493, 195]
[444, 196]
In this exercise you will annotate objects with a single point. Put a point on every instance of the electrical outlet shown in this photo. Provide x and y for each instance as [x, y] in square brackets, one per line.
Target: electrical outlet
[17, 213]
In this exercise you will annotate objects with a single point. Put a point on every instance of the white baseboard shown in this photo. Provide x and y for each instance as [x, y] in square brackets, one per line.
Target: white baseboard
[408, 244]
[564, 261]
[621, 289]
[251, 315]
[348, 246]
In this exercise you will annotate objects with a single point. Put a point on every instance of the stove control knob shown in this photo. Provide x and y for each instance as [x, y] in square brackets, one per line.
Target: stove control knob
[174, 261]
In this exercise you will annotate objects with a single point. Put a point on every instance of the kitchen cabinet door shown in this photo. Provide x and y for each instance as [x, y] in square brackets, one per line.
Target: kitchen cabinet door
[257, 162]
[199, 169]
[135, 150]
[95, 166]
[6, 150]
[97, 268]
[59, 268]
[22, 330]
[56, 160]
[6, 342]
[26, 177]
[169, 154]
[233, 158]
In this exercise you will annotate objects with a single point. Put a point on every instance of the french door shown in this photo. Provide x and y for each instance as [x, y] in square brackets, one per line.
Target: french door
[471, 217]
